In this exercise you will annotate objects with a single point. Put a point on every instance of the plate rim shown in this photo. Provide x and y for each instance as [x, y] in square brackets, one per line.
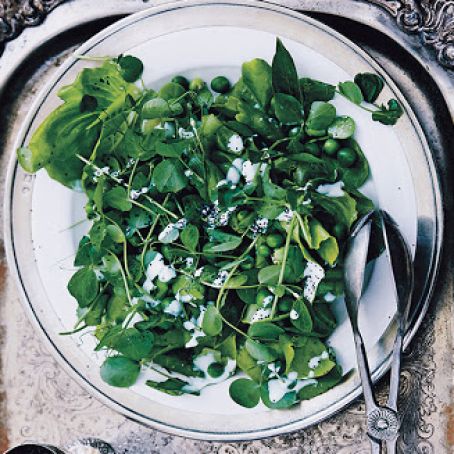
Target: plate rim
[91, 387]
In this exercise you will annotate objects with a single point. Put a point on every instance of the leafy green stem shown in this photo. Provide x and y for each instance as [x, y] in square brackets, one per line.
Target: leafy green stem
[284, 263]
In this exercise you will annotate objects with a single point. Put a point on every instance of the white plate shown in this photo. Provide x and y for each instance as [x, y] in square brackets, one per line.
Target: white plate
[204, 39]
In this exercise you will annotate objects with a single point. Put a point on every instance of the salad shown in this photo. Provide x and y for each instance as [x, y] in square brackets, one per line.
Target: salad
[219, 215]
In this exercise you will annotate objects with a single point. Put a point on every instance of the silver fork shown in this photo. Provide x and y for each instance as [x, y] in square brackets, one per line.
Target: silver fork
[383, 422]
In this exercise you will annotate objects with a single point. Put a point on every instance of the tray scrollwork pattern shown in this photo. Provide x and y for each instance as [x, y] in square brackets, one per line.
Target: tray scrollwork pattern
[432, 20]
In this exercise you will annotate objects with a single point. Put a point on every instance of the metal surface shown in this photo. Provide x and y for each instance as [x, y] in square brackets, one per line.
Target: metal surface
[427, 371]
[19, 243]
[383, 422]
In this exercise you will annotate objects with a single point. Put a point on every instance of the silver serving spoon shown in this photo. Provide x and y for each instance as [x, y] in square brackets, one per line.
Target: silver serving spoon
[383, 422]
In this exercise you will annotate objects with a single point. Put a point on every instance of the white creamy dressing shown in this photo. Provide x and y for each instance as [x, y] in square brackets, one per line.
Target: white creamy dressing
[313, 273]
[136, 318]
[260, 314]
[235, 144]
[134, 194]
[183, 134]
[174, 308]
[279, 387]
[274, 370]
[220, 279]
[172, 231]
[316, 360]
[188, 173]
[332, 190]
[329, 297]
[102, 171]
[198, 272]
[157, 268]
[294, 315]
[195, 325]
[234, 173]
[202, 363]
[286, 215]
[249, 171]
[189, 262]
[267, 300]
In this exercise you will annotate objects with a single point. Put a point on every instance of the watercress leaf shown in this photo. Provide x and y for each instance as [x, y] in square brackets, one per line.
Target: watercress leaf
[321, 385]
[115, 233]
[212, 321]
[170, 91]
[300, 317]
[288, 109]
[245, 392]
[288, 400]
[117, 198]
[236, 281]
[120, 371]
[312, 360]
[171, 150]
[190, 237]
[370, 85]
[134, 344]
[285, 77]
[156, 108]
[168, 176]
[342, 128]
[321, 115]
[228, 347]
[390, 114]
[265, 330]
[84, 286]
[342, 209]
[258, 121]
[172, 386]
[286, 346]
[261, 352]
[131, 67]
[248, 365]
[351, 91]
[257, 77]
[269, 274]
[223, 242]
[355, 176]
[271, 190]
[315, 90]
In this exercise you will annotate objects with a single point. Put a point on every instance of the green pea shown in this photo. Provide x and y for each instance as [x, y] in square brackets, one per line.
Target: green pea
[263, 295]
[220, 84]
[312, 148]
[248, 264]
[285, 305]
[263, 250]
[242, 215]
[181, 80]
[196, 84]
[331, 146]
[274, 240]
[346, 157]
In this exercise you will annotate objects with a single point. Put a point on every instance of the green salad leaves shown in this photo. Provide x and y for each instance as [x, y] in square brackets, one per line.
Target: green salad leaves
[218, 222]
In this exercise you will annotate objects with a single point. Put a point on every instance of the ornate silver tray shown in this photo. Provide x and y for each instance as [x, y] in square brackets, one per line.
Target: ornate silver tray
[340, 24]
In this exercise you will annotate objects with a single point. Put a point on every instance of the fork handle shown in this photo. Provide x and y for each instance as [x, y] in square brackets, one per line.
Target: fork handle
[364, 372]
[394, 383]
